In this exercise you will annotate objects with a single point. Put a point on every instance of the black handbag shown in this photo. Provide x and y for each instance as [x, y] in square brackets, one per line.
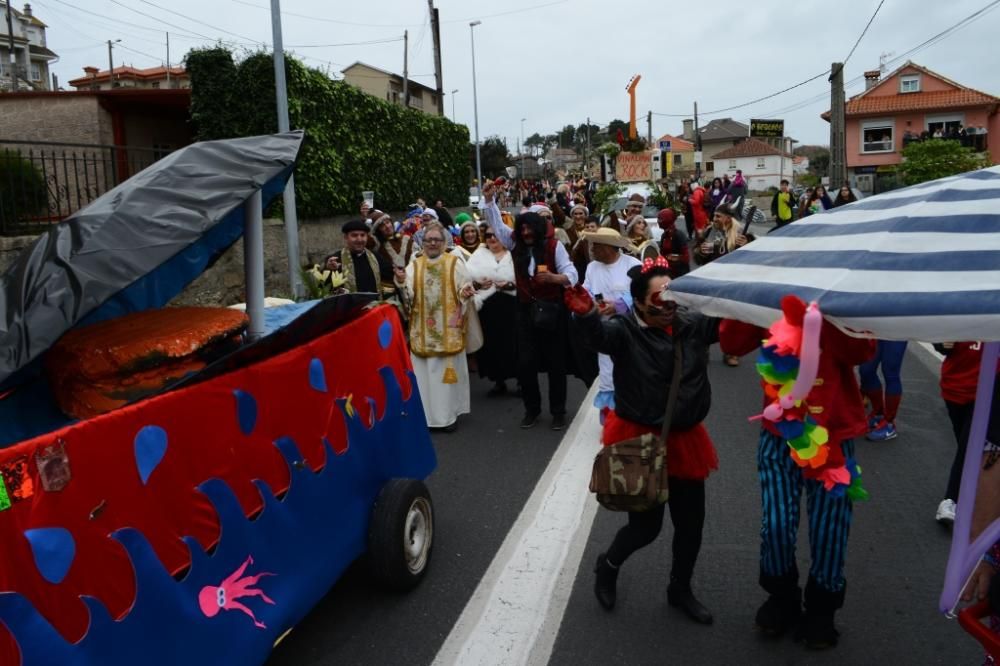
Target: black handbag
[545, 314]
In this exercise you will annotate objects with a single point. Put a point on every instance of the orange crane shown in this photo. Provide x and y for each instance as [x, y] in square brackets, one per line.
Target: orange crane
[630, 88]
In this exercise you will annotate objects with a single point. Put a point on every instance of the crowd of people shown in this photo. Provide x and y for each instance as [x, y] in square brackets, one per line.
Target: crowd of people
[558, 290]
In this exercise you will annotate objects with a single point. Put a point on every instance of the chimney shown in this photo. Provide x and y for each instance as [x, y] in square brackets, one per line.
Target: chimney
[91, 71]
[55, 81]
[688, 129]
[27, 9]
[872, 77]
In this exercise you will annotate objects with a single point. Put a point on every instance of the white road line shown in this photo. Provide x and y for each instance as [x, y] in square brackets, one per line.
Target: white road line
[514, 614]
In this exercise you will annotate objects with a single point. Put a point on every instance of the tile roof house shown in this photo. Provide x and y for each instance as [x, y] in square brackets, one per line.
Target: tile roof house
[911, 102]
[132, 77]
[763, 165]
[389, 86]
[723, 133]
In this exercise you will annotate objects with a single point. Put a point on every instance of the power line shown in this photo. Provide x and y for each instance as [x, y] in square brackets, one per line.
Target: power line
[110, 18]
[150, 16]
[194, 20]
[320, 46]
[751, 102]
[863, 33]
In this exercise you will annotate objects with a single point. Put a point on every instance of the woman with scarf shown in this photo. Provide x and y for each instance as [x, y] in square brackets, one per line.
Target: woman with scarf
[542, 270]
[468, 236]
[492, 271]
[641, 343]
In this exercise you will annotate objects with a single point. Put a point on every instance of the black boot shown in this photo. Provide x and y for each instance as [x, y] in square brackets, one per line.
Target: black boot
[817, 628]
[679, 595]
[783, 607]
[604, 583]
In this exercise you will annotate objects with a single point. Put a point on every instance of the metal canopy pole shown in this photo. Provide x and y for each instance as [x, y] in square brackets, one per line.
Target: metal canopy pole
[291, 217]
[253, 263]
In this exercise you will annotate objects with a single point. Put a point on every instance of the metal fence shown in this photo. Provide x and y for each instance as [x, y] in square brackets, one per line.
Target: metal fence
[42, 183]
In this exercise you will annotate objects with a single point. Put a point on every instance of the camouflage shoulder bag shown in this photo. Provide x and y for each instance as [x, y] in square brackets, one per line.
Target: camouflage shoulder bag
[632, 475]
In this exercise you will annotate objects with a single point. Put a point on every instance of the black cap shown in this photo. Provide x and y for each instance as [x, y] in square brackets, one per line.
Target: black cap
[355, 225]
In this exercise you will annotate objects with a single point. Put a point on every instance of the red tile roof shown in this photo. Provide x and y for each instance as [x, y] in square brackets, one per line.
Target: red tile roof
[748, 148]
[940, 99]
[130, 72]
[677, 144]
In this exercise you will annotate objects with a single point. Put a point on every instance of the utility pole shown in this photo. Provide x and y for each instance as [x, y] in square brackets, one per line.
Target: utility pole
[586, 150]
[838, 145]
[10, 47]
[475, 105]
[406, 71]
[111, 63]
[436, 34]
[649, 128]
[697, 145]
[281, 93]
[168, 60]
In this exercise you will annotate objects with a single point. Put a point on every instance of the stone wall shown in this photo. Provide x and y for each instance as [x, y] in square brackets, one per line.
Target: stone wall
[59, 119]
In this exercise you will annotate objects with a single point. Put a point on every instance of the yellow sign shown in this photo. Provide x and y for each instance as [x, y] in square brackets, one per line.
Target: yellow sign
[634, 167]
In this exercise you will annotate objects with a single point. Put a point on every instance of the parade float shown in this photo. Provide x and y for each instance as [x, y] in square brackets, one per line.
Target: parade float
[919, 263]
[181, 485]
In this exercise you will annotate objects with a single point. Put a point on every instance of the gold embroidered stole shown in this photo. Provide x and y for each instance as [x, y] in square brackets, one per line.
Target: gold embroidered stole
[437, 327]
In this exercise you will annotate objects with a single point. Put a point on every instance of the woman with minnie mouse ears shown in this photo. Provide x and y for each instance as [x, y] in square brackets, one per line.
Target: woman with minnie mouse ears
[642, 343]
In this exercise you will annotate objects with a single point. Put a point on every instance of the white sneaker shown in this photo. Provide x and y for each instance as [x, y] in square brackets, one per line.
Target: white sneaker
[946, 512]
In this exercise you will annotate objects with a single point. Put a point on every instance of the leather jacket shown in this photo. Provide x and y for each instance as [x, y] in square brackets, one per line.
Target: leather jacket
[644, 364]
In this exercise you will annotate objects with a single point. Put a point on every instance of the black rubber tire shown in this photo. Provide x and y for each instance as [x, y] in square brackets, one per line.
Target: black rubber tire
[390, 548]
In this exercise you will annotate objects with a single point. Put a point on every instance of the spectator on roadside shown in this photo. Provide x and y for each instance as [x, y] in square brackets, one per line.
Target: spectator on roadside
[737, 192]
[438, 287]
[642, 345]
[697, 204]
[673, 243]
[845, 195]
[782, 204]
[818, 201]
[715, 195]
[726, 182]
[542, 271]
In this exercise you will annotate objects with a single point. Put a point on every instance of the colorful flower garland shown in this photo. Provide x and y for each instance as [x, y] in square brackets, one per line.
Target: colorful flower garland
[787, 363]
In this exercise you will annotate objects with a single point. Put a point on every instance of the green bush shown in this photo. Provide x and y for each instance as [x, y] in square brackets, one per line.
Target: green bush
[23, 192]
[354, 141]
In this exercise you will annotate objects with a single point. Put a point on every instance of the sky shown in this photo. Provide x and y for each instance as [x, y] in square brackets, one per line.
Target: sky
[556, 62]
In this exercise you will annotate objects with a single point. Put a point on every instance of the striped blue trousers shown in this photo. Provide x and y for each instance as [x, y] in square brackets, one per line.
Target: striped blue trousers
[781, 483]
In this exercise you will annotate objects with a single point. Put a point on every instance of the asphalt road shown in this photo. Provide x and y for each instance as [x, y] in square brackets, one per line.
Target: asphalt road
[489, 467]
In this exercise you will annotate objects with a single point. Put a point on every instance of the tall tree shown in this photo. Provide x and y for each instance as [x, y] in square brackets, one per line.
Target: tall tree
[494, 155]
[566, 136]
[534, 142]
[580, 141]
[616, 125]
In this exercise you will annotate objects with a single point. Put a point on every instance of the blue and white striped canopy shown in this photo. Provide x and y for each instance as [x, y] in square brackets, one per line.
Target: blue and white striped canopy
[920, 263]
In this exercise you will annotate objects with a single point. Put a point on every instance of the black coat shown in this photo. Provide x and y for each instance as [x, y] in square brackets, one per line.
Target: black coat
[644, 365]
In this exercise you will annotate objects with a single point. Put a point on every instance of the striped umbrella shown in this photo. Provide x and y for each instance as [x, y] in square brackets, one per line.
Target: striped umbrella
[920, 263]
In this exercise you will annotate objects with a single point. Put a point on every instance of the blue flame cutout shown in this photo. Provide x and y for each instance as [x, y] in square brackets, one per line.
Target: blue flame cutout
[150, 447]
[385, 334]
[246, 411]
[54, 550]
[317, 378]
[324, 512]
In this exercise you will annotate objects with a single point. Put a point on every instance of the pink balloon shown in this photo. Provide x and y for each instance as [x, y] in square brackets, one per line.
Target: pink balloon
[809, 355]
[773, 412]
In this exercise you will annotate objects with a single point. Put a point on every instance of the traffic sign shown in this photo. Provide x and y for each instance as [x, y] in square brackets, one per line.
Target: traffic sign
[665, 145]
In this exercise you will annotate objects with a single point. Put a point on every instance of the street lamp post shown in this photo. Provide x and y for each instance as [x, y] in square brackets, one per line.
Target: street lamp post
[522, 147]
[475, 106]
[453, 104]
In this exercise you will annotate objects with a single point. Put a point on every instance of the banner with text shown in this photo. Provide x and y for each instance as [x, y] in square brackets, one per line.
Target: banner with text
[767, 129]
[634, 167]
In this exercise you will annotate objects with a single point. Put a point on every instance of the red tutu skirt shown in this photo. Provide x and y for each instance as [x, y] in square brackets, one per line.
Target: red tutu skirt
[690, 453]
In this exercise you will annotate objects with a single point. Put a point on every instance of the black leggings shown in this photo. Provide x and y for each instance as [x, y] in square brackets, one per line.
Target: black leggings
[687, 513]
[961, 417]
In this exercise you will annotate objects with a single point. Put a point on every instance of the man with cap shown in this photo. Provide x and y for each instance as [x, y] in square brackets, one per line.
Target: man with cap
[363, 270]
[607, 281]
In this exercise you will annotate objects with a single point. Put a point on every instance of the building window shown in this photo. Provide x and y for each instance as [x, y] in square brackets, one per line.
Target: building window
[761, 163]
[36, 72]
[944, 125]
[156, 84]
[710, 166]
[878, 136]
[909, 83]
[732, 164]
[678, 160]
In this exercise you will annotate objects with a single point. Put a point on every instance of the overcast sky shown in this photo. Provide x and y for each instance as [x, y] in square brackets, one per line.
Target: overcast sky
[558, 62]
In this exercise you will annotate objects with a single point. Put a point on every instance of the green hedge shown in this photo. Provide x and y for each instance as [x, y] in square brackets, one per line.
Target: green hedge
[354, 141]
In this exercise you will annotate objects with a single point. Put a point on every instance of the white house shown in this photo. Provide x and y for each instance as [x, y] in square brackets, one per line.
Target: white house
[763, 165]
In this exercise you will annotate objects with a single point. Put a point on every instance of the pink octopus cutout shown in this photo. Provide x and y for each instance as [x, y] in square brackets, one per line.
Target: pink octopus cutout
[224, 597]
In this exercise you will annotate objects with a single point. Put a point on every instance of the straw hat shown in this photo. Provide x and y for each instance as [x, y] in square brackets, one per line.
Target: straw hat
[607, 236]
